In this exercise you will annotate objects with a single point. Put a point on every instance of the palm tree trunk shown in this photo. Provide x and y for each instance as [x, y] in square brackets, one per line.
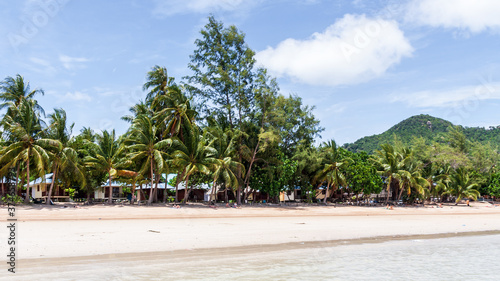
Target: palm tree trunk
[27, 199]
[238, 194]
[247, 177]
[238, 191]
[177, 188]
[212, 196]
[110, 199]
[177, 181]
[54, 175]
[186, 192]
[142, 196]
[88, 197]
[401, 191]
[17, 178]
[245, 194]
[326, 194]
[165, 192]
[155, 197]
[334, 188]
[388, 190]
[150, 200]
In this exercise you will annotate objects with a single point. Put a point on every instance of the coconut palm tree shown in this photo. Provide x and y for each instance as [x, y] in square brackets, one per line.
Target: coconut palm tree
[13, 91]
[146, 148]
[193, 155]
[2, 147]
[106, 155]
[158, 83]
[65, 158]
[391, 165]
[172, 110]
[169, 104]
[331, 169]
[139, 109]
[28, 145]
[462, 185]
[226, 166]
[410, 176]
[443, 180]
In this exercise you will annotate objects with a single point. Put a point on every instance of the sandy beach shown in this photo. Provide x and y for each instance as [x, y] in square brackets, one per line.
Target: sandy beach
[64, 231]
[52, 236]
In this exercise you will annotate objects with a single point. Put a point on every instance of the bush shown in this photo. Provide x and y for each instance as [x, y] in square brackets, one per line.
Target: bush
[12, 199]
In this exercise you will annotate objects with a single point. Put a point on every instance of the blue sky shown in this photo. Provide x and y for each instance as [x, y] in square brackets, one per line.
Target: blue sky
[364, 64]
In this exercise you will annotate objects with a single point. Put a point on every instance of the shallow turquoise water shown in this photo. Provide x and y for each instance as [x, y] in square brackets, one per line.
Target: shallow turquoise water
[457, 258]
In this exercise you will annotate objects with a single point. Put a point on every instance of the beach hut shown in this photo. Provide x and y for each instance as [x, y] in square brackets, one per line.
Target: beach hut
[162, 187]
[40, 188]
[198, 193]
[321, 193]
[102, 192]
[291, 195]
[6, 186]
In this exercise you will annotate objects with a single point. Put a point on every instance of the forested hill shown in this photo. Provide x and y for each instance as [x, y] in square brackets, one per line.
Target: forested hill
[426, 126]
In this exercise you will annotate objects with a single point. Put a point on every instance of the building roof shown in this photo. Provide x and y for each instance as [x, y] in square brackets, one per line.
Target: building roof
[115, 184]
[45, 179]
[161, 185]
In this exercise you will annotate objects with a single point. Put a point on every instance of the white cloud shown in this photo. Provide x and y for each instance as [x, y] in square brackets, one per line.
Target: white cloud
[41, 66]
[172, 7]
[474, 16]
[465, 96]
[354, 49]
[72, 63]
[76, 96]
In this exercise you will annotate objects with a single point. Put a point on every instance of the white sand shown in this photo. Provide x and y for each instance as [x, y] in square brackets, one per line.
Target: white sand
[57, 232]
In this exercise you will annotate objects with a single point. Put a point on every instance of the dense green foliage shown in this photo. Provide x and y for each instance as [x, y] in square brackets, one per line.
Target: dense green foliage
[227, 126]
[424, 126]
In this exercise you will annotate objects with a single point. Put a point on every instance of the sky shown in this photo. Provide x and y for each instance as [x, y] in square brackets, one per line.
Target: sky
[364, 65]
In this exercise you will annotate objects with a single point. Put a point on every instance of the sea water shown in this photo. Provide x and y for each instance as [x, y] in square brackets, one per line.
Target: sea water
[455, 258]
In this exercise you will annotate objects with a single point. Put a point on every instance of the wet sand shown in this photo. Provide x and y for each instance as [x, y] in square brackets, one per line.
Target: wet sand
[67, 235]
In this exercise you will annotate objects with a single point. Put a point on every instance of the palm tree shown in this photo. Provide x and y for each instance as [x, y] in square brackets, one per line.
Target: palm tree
[331, 169]
[158, 80]
[193, 155]
[391, 165]
[147, 148]
[226, 166]
[443, 180]
[308, 163]
[65, 158]
[2, 147]
[411, 178]
[172, 110]
[170, 106]
[139, 109]
[462, 185]
[106, 156]
[28, 145]
[13, 91]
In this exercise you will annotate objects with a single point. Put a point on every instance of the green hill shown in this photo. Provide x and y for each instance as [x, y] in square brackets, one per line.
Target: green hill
[426, 126]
